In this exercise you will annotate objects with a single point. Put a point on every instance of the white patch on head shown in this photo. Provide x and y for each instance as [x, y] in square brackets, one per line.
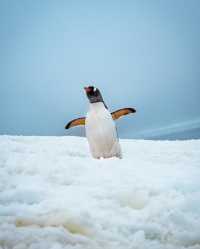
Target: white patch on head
[95, 89]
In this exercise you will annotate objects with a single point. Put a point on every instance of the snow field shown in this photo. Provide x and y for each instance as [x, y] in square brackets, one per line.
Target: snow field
[53, 195]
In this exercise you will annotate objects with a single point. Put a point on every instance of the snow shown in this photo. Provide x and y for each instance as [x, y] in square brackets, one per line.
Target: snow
[53, 195]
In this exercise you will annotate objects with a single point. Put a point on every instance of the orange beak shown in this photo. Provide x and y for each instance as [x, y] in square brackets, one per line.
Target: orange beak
[87, 89]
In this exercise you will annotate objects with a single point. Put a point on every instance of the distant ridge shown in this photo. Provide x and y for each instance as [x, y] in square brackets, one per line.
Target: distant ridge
[181, 130]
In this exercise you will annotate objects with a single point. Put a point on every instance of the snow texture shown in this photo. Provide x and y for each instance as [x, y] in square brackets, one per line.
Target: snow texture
[54, 195]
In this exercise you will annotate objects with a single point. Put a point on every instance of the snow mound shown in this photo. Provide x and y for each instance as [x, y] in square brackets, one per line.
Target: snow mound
[53, 195]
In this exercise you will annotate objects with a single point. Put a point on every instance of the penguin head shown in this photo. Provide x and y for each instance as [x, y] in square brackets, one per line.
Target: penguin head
[93, 94]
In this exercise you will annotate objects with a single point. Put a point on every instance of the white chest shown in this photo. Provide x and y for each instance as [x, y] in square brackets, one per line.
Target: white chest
[101, 131]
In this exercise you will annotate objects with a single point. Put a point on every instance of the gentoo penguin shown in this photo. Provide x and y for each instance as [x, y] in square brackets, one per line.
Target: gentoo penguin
[99, 125]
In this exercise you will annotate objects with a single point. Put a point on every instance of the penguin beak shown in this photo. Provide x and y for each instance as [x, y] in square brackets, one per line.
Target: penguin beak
[87, 89]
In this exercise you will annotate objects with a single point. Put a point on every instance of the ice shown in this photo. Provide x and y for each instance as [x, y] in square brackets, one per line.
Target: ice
[54, 195]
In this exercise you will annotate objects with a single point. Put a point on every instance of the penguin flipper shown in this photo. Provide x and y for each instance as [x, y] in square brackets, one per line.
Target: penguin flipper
[121, 112]
[75, 122]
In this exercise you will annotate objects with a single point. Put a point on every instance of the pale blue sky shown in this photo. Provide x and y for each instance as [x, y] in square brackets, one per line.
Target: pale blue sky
[142, 54]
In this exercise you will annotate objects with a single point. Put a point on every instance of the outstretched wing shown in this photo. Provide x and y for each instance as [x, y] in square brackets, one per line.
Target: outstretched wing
[115, 115]
[121, 112]
[75, 122]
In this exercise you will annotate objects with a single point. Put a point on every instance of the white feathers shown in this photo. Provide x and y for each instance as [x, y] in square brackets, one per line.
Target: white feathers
[101, 132]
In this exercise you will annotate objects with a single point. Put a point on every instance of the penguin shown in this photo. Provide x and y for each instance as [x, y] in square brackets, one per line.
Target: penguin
[99, 125]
